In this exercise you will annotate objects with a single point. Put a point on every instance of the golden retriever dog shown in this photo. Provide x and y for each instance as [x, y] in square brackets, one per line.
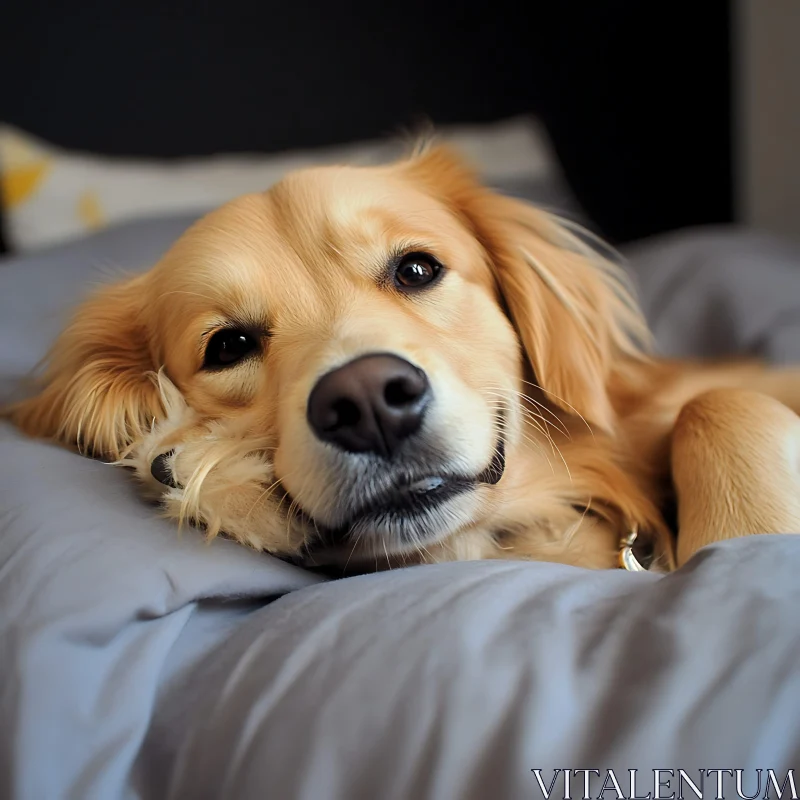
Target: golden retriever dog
[374, 366]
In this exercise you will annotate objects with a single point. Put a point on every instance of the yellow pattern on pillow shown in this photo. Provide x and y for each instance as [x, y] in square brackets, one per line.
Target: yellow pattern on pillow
[24, 167]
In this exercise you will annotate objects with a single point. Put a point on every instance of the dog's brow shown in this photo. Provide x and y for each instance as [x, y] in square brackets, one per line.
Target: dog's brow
[257, 324]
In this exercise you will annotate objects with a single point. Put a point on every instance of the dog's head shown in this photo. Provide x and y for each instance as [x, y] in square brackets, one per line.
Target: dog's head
[367, 332]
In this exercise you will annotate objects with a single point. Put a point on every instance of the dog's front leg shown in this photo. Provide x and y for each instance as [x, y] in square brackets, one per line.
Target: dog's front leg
[736, 468]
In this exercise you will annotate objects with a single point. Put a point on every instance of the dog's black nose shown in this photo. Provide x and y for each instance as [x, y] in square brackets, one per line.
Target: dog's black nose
[370, 405]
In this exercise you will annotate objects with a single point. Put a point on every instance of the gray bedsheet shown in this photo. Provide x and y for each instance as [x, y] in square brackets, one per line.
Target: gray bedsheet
[139, 664]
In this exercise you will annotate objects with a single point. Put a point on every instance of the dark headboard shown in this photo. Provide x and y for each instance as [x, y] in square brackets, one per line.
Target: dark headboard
[636, 96]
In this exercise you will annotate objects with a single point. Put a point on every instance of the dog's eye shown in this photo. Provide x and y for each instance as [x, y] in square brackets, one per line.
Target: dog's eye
[416, 270]
[228, 346]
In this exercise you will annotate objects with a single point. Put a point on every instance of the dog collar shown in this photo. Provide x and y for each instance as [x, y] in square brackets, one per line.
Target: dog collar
[627, 558]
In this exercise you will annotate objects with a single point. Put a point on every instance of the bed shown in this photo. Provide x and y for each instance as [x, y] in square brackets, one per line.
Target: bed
[138, 663]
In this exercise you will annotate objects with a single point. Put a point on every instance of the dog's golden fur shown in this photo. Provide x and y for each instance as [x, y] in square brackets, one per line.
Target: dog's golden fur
[531, 336]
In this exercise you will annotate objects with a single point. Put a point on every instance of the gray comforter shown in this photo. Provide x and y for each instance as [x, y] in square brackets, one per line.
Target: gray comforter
[139, 664]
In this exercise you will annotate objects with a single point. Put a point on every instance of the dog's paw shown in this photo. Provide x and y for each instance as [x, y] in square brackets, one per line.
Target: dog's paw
[206, 473]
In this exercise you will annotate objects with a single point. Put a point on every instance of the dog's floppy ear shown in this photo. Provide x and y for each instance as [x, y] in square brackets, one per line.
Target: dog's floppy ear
[571, 307]
[97, 391]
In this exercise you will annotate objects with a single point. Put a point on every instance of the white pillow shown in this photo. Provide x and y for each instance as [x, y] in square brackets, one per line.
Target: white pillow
[51, 194]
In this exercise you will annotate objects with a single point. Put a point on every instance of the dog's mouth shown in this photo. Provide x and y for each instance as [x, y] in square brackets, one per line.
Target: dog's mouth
[413, 510]
[406, 508]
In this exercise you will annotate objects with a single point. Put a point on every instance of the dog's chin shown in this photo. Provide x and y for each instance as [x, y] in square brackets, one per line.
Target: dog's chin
[420, 511]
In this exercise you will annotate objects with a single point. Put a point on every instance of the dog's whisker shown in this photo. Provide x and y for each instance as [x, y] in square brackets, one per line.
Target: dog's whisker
[558, 425]
[265, 495]
[554, 448]
[294, 507]
[562, 402]
[386, 552]
[572, 531]
[353, 548]
[527, 437]
[424, 551]
[541, 451]
[532, 416]
[534, 421]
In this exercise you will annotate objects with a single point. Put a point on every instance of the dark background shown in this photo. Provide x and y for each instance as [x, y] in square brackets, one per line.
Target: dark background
[636, 96]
